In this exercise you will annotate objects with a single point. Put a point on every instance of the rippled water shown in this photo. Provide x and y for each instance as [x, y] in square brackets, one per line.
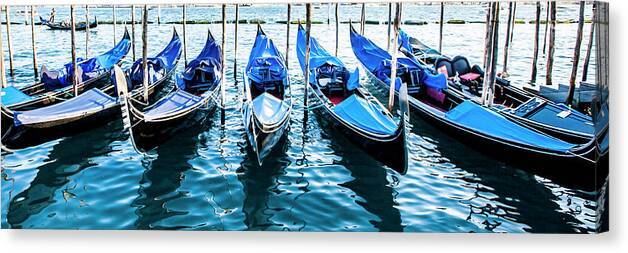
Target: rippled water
[317, 181]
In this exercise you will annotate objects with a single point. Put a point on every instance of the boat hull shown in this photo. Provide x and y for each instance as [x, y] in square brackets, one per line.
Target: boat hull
[262, 141]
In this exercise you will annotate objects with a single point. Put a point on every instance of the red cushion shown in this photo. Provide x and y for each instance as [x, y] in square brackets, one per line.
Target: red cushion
[469, 76]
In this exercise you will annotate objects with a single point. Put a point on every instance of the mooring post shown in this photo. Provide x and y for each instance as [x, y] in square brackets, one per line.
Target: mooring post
[576, 57]
[33, 42]
[535, 56]
[489, 75]
[362, 18]
[547, 15]
[185, 44]
[585, 68]
[337, 29]
[328, 13]
[222, 46]
[552, 37]
[514, 21]
[441, 23]
[507, 40]
[159, 14]
[389, 24]
[288, 37]
[114, 23]
[308, 27]
[133, 31]
[3, 77]
[145, 51]
[86, 31]
[235, 43]
[393, 65]
[487, 37]
[8, 19]
[73, 48]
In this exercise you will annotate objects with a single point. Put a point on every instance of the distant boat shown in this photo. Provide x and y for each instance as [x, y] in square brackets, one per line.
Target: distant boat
[352, 109]
[267, 96]
[66, 26]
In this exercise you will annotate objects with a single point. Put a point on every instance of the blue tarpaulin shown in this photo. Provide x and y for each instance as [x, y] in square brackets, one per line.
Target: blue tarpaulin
[158, 66]
[486, 121]
[265, 63]
[365, 115]
[11, 95]
[91, 101]
[378, 61]
[269, 109]
[171, 104]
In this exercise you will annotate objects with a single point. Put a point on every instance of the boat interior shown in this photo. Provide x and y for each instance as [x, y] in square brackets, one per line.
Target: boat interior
[267, 78]
[332, 82]
[204, 78]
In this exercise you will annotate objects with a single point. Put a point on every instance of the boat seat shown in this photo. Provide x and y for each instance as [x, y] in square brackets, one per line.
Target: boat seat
[444, 66]
[414, 84]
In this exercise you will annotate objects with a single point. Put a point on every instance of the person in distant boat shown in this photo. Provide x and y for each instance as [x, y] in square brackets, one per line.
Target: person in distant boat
[52, 16]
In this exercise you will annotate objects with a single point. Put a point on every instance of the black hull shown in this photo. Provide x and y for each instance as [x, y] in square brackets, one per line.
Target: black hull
[69, 28]
[575, 169]
[149, 135]
[261, 142]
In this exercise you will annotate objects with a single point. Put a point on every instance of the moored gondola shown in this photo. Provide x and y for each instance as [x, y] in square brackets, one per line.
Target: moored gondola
[515, 103]
[476, 125]
[67, 26]
[193, 98]
[351, 109]
[267, 98]
[92, 107]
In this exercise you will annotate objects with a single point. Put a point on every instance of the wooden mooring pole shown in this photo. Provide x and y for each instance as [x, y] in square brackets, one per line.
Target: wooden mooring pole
[145, 51]
[73, 48]
[9, 41]
[393, 66]
[328, 13]
[337, 29]
[288, 37]
[552, 37]
[576, 57]
[441, 23]
[362, 18]
[235, 43]
[587, 58]
[222, 47]
[389, 26]
[33, 42]
[3, 77]
[114, 24]
[487, 36]
[547, 16]
[86, 31]
[308, 28]
[507, 40]
[535, 56]
[133, 31]
[488, 88]
[159, 14]
[185, 44]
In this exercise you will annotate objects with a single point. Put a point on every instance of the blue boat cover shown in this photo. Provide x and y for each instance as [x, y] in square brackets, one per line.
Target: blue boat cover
[486, 121]
[265, 63]
[268, 109]
[89, 68]
[364, 115]
[158, 66]
[319, 57]
[11, 95]
[207, 62]
[171, 104]
[404, 41]
[91, 101]
[378, 62]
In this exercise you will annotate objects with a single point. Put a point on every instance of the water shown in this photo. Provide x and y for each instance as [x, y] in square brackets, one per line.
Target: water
[204, 178]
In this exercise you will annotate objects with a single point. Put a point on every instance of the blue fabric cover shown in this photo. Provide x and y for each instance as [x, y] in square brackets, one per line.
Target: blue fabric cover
[365, 115]
[158, 66]
[265, 63]
[478, 118]
[404, 41]
[90, 68]
[170, 104]
[91, 101]
[378, 62]
[269, 109]
[11, 95]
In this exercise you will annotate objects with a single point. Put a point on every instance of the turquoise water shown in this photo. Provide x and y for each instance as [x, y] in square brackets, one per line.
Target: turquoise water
[204, 179]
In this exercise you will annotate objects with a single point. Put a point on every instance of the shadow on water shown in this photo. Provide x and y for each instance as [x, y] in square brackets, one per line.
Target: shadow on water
[165, 170]
[260, 182]
[370, 182]
[67, 158]
[507, 194]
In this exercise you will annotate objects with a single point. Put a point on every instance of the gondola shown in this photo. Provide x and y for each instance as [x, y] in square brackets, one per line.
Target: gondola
[66, 26]
[91, 108]
[56, 85]
[517, 104]
[352, 110]
[475, 125]
[195, 94]
[267, 98]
